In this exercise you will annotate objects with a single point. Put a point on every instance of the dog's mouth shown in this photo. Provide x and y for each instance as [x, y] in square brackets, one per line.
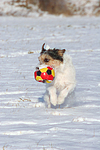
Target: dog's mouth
[41, 66]
[37, 68]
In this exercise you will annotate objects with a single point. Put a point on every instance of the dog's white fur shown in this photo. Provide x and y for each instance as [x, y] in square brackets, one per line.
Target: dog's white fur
[63, 84]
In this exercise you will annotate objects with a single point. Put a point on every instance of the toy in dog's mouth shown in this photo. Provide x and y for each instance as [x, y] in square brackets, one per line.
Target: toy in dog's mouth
[44, 74]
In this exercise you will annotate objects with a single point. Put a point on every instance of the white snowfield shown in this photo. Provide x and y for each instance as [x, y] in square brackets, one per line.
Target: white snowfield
[25, 122]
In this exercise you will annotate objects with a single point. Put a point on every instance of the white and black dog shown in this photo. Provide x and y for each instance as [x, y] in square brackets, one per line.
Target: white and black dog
[64, 81]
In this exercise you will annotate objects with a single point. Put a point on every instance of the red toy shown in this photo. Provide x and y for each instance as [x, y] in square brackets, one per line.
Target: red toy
[45, 74]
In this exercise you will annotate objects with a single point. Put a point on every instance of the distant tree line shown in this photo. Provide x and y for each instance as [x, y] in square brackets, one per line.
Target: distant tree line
[71, 7]
[67, 7]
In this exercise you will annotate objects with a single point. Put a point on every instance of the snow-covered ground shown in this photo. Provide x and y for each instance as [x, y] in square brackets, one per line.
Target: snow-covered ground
[25, 122]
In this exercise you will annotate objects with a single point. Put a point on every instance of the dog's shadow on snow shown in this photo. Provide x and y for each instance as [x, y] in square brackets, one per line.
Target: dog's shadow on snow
[70, 101]
[41, 100]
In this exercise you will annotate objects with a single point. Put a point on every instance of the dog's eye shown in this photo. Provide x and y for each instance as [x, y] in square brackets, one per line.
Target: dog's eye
[46, 60]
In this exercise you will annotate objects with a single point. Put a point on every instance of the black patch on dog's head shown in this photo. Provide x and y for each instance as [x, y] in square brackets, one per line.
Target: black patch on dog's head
[56, 54]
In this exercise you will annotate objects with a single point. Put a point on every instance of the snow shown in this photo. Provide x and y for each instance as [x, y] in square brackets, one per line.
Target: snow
[25, 122]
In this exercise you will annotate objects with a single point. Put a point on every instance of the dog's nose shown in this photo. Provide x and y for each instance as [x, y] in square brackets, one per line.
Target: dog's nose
[37, 68]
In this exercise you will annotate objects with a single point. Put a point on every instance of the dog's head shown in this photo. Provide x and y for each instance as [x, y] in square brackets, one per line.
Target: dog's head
[51, 57]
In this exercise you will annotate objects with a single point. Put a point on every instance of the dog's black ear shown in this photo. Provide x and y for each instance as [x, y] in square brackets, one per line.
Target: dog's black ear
[43, 49]
[61, 52]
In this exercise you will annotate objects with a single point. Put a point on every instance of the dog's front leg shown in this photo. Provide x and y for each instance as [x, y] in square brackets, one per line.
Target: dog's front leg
[53, 95]
[47, 99]
[64, 93]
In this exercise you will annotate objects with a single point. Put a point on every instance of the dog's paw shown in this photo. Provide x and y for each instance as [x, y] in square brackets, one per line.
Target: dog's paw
[46, 97]
[49, 105]
[53, 99]
[60, 100]
[53, 102]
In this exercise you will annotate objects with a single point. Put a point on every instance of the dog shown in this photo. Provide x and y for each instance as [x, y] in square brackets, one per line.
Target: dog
[64, 81]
